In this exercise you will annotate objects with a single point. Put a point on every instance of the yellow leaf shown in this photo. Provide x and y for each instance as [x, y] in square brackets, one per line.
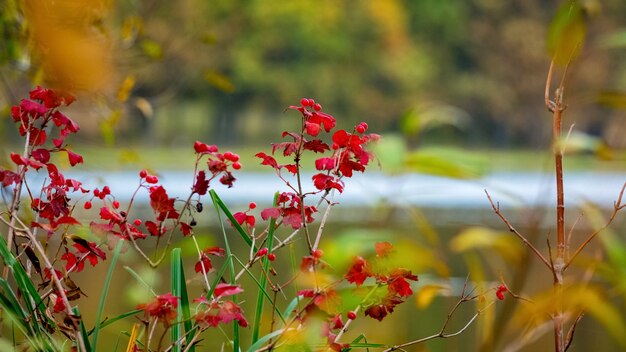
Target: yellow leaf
[573, 300]
[473, 238]
[566, 33]
[426, 294]
[127, 86]
[219, 81]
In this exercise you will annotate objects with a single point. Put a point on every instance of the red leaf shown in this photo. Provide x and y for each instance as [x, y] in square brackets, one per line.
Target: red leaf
[67, 220]
[359, 271]
[273, 213]
[74, 158]
[206, 262]
[323, 182]
[223, 289]
[383, 249]
[316, 146]
[291, 168]
[214, 251]
[267, 160]
[325, 163]
[202, 184]
[42, 155]
[185, 229]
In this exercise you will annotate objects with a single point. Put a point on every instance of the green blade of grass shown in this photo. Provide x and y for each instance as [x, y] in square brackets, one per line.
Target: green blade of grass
[10, 303]
[219, 275]
[179, 289]
[291, 307]
[105, 291]
[256, 325]
[110, 321]
[218, 204]
[262, 290]
[137, 277]
[26, 287]
[83, 331]
[260, 342]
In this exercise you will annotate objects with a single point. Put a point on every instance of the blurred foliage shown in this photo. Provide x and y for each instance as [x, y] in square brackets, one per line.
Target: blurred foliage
[475, 67]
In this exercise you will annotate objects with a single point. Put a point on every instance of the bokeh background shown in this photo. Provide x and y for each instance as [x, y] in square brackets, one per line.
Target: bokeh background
[456, 89]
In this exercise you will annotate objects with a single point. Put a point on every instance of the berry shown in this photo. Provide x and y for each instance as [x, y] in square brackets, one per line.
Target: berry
[143, 173]
[152, 179]
[304, 102]
[262, 252]
[116, 204]
[137, 222]
[351, 315]
[362, 127]
[317, 107]
[96, 192]
[271, 257]
[231, 156]
[318, 253]
[335, 146]
[500, 295]
[106, 190]
[236, 166]
[252, 205]
[87, 205]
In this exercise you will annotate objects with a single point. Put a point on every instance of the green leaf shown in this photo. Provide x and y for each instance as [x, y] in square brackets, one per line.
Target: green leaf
[256, 325]
[82, 331]
[448, 162]
[26, 287]
[219, 204]
[179, 289]
[260, 342]
[566, 33]
[105, 291]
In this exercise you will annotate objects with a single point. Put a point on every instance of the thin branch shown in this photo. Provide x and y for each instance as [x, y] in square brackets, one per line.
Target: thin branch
[323, 221]
[617, 206]
[442, 334]
[570, 333]
[496, 209]
[549, 104]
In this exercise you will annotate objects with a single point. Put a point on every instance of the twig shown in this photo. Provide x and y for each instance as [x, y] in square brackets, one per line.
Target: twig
[617, 206]
[442, 334]
[496, 209]
[323, 221]
[570, 334]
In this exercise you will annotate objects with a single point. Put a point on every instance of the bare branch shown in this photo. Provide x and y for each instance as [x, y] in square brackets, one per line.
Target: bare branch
[617, 206]
[496, 209]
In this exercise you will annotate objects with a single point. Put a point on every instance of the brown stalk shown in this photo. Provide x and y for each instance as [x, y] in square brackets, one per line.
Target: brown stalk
[557, 107]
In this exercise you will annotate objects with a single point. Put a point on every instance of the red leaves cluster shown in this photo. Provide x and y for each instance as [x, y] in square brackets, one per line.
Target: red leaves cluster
[163, 308]
[217, 164]
[289, 210]
[396, 280]
[217, 311]
[35, 116]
